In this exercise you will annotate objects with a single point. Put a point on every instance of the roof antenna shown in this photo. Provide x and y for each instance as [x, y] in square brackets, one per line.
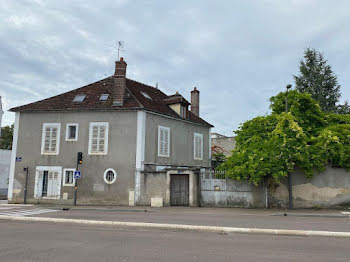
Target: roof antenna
[120, 48]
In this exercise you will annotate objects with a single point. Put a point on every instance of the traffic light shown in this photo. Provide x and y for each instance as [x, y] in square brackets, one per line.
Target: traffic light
[80, 157]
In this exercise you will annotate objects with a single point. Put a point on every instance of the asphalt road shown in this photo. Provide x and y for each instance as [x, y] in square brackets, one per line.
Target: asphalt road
[51, 242]
[216, 217]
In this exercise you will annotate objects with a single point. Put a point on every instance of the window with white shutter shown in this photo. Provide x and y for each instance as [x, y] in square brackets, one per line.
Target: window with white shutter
[98, 138]
[50, 142]
[48, 182]
[163, 141]
[198, 146]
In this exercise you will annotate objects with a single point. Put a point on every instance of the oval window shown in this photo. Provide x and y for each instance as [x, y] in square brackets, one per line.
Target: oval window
[110, 176]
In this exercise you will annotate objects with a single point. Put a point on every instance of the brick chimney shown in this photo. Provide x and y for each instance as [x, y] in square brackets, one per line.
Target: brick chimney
[195, 102]
[119, 82]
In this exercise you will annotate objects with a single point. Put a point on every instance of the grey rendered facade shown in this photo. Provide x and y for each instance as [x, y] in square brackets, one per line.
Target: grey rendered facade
[133, 153]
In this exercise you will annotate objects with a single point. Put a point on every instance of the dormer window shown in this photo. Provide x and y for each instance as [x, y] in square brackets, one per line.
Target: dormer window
[146, 95]
[183, 111]
[79, 98]
[104, 97]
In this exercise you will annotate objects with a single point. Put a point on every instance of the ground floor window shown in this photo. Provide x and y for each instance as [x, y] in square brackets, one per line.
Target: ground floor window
[110, 176]
[68, 177]
[47, 182]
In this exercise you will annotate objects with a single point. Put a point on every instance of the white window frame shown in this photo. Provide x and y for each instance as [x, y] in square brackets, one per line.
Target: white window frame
[159, 151]
[105, 173]
[194, 146]
[76, 131]
[183, 111]
[52, 169]
[58, 126]
[106, 125]
[64, 177]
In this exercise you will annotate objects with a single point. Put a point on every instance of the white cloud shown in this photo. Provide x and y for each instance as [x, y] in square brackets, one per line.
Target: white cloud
[238, 53]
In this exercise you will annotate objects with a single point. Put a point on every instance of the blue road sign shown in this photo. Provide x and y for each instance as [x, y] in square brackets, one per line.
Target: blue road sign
[77, 175]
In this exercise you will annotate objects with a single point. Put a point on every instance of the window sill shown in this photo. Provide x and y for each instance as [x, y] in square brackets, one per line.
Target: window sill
[49, 154]
[71, 140]
[58, 197]
[97, 154]
[164, 156]
[69, 185]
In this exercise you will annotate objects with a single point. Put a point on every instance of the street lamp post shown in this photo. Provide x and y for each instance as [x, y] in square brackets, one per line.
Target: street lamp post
[290, 191]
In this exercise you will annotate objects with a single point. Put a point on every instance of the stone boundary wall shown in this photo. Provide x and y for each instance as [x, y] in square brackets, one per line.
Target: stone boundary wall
[328, 189]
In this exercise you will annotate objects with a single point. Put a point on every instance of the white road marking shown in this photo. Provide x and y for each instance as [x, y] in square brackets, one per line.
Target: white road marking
[26, 212]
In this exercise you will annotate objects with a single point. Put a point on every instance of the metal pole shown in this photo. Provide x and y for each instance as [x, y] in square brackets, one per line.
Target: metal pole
[76, 186]
[226, 190]
[26, 185]
[290, 189]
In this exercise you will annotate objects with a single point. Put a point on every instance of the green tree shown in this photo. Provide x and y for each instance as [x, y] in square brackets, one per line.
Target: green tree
[305, 137]
[6, 137]
[317, 78]
[344, 109]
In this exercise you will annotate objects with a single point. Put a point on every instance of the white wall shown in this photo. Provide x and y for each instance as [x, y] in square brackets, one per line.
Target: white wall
[5, 159]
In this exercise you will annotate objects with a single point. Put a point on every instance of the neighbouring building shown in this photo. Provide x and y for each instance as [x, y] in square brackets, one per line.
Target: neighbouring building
[222, 144]
[5, 159]
[140, 146]
[1, 113]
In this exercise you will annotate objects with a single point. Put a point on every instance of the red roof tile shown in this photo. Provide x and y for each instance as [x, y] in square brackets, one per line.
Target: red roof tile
[134, 99]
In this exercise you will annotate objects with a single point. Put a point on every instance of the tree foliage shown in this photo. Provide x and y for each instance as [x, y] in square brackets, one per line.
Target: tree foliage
[316, 77]
[273, 145]
[6, 137]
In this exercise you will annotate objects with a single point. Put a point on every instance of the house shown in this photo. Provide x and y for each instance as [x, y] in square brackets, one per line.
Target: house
[139, 146]
[222, 144]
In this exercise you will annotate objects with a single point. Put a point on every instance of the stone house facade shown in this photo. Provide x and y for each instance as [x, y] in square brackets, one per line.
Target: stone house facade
[139, 145]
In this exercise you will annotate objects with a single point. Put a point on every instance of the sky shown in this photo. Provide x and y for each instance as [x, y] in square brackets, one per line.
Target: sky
[237, 53]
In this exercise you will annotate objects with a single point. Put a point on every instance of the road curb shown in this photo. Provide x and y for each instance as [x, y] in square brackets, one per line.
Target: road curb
[196, 228]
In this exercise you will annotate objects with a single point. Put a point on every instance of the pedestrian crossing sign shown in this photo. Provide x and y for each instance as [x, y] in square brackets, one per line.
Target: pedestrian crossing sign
[77, 175]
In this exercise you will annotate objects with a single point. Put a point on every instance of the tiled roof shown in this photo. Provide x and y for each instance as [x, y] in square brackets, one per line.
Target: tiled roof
[177, 98]
[135, 98]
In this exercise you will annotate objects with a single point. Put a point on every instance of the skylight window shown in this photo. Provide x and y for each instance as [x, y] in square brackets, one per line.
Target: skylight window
[146, 95]
[79, 98]
[104, 97]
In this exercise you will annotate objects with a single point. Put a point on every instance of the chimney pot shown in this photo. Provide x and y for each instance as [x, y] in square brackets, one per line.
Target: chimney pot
[195, 101]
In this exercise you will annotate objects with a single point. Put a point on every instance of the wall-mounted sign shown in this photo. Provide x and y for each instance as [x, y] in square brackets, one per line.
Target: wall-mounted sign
[77, 174]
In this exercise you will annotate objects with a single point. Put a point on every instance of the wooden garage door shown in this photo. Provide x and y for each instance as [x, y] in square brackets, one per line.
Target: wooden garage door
[179, 190]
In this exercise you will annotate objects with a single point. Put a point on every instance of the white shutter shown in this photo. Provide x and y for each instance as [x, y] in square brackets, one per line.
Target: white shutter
[50, 188]
[50, 138]
[98, 140]
[198, 146]
[94, 145]
[101, 141]
[163, 141]
[53, 140]
[166, 142]
[47, 140]
[38, 190]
